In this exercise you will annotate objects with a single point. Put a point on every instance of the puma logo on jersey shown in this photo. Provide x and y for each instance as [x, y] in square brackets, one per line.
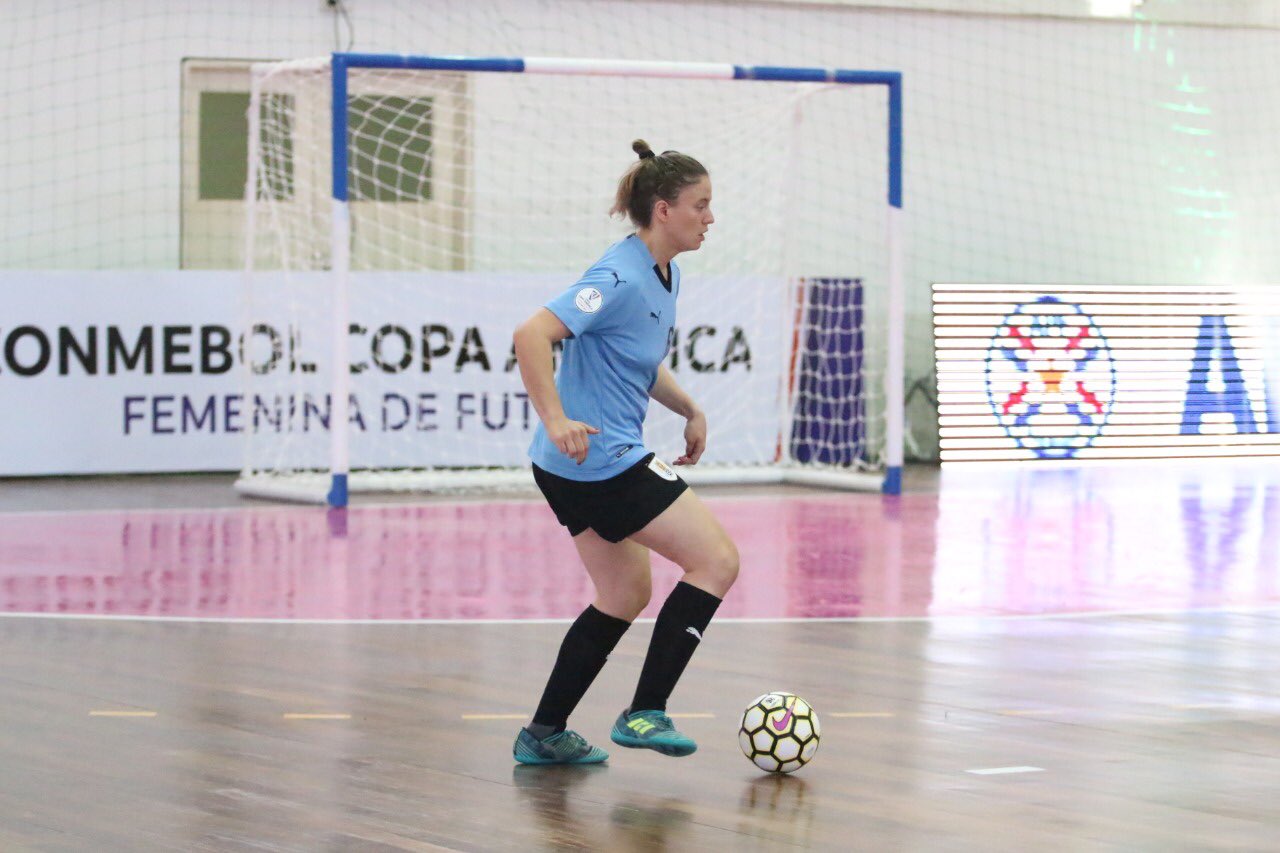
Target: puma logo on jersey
[617, 281]
[657, 316]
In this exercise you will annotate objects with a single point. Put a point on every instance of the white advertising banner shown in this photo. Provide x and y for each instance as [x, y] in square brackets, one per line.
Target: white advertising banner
[116, 372]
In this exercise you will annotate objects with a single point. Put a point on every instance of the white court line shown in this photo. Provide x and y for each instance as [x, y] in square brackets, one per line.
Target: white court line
[731, 620]
[534, 497]
[165, 510]
[997, 771]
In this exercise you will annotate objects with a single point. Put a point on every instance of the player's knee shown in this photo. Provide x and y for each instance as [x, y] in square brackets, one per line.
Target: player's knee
[724, 564]
[635, 604]
[640, 596]
[627, 602]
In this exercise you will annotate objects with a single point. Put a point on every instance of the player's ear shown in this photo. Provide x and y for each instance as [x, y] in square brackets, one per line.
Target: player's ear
[661, 210]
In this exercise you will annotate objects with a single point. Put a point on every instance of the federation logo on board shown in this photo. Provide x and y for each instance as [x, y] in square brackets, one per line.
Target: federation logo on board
[1050, 378]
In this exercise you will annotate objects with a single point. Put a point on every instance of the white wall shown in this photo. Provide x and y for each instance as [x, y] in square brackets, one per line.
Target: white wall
[1064, 148]
[1260, 13]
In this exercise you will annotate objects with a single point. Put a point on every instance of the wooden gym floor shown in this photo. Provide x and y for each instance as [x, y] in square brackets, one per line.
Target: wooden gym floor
[1003, 659]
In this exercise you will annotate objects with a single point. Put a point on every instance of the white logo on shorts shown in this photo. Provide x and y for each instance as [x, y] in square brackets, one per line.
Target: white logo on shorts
[589, 300]
[662, 469]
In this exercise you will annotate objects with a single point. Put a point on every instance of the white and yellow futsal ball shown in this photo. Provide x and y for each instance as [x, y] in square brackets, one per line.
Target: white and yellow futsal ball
[779, 732]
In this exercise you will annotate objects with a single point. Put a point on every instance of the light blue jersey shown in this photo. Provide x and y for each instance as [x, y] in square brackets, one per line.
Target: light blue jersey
[621, 314]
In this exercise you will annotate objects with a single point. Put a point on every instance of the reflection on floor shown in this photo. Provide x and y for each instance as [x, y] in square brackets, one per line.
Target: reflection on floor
[1008, 540]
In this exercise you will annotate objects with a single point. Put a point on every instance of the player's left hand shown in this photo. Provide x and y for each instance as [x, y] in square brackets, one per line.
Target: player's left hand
[695, 439]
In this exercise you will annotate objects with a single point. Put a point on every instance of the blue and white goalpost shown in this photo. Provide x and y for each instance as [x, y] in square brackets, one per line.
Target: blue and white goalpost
[403, 213]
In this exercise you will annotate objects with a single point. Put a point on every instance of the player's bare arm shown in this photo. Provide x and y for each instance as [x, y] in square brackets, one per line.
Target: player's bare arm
[669, 393]
[534, 339]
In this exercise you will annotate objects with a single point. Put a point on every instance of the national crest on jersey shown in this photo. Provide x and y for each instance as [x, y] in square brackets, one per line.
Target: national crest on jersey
[588, 300]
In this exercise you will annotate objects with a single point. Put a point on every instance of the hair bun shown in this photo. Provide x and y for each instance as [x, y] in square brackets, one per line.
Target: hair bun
[642, 148]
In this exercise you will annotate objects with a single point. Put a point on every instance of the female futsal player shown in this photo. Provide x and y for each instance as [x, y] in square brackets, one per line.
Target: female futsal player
[617, 498]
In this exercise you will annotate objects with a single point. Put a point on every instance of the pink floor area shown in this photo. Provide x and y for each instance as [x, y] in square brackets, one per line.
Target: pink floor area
[996, 541]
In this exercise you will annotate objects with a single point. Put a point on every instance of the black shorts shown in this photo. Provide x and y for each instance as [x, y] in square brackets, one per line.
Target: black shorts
[614, 508]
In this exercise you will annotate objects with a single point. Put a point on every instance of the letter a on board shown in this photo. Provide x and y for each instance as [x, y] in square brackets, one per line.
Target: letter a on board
[1216, 383]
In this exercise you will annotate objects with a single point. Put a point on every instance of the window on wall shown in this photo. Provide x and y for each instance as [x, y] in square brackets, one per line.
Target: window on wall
[390, 148]
[224, 147]
[408, 146]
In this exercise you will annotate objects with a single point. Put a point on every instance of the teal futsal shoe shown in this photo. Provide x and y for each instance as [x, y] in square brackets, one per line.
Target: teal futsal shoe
[651, 730]
[566, 747]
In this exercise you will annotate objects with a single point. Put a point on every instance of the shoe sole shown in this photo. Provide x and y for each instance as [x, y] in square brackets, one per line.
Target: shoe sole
[527, 757]
[533, 760]
[673, 750]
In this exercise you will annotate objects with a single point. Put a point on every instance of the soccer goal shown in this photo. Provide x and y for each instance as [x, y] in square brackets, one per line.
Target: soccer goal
[405, 213]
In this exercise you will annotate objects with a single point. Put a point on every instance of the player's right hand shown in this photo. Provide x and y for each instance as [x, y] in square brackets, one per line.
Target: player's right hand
[572, 437]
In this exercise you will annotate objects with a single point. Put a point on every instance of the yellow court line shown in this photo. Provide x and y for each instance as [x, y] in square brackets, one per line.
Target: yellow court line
[122, 713]
[317, 716]
[860, 714]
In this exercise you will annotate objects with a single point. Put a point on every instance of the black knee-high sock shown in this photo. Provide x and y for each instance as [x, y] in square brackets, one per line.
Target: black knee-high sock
[583, 652]
[676, 634]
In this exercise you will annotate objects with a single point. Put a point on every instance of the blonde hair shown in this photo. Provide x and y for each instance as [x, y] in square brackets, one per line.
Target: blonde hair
[653, 177]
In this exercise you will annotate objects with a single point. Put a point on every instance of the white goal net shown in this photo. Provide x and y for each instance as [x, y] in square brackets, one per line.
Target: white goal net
[474, 197]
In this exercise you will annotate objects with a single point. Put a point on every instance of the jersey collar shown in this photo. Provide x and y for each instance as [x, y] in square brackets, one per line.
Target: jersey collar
[647, 257]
